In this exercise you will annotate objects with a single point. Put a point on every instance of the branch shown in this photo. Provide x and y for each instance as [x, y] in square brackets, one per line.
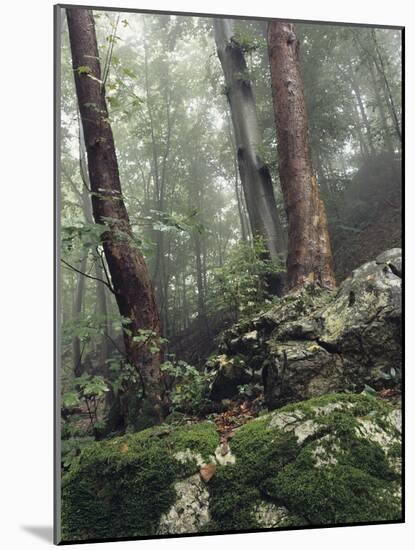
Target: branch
[108, 58]
[88, 276]
[104, 267]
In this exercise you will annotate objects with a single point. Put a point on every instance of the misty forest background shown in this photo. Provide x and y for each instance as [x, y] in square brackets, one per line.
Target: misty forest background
[178, 163]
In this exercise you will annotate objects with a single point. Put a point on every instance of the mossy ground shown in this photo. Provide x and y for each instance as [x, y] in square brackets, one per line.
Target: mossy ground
[122, 486]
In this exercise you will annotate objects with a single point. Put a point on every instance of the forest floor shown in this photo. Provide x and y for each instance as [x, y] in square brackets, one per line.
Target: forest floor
[239, 411]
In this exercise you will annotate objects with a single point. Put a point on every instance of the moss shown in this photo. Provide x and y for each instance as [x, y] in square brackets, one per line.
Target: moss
[395, 450]
[236, 489]
[201, 438]
[122, 486]
[335, 494]
[358, 486]
[369, 457]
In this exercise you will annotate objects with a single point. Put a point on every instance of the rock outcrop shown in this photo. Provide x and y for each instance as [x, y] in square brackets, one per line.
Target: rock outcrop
[315, 341]
[334, 459]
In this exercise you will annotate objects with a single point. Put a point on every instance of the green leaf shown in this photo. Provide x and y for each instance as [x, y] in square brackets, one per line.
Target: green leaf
[369, 390]
[129, 72]
[113, 102]
[83, 69]
[70, 399]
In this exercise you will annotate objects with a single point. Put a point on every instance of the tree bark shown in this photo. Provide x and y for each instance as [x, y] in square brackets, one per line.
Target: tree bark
[381, 109]
[241, 213]
[199, 277]
[362, 110]
[380, 65]
[255, 176]
[76, 315]
[102, 312]
[130, 279]
[309, 252]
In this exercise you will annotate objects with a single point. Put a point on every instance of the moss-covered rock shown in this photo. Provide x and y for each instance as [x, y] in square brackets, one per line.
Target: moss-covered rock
[123, 486]
[312, 463]
[333, 459]
[314, 341]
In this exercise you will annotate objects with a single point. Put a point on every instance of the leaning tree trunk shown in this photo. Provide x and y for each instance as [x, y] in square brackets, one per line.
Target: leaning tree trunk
[309, 252]
[130, 279]
[255, 176]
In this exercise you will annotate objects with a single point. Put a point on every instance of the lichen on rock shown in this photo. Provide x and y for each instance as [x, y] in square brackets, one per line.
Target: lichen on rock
[124, 486]
[314, 341]
[269, 515]
[312, 460]
[332, 459]
[190, 511]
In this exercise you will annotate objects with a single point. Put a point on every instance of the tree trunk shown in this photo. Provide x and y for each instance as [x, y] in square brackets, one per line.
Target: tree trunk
[381, 108]
[380, 65]
[199, 278]
[255, 176]
[364, 149]
[85, 203]
[362, 110]
[236, 182]
[102, 312]
[309, 252]
[77, 350]
[185, 308]
[159, 173]
[130, 279]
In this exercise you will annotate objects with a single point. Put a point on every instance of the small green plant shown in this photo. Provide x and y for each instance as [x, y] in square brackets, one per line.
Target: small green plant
[247, 40]
[240, 285]
[189, 386]
[394, 375]
[88, 390]
[71, 449]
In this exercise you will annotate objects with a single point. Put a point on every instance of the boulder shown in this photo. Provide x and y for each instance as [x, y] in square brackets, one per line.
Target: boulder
[333, 459]
[139, 485]
[314, 341]
[230, 373]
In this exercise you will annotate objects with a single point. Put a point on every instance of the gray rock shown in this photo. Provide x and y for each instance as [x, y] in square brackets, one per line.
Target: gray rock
[315, 341]
[269, 515]
[318, 429]
[231, 372]
[333, 459]
[190, 512]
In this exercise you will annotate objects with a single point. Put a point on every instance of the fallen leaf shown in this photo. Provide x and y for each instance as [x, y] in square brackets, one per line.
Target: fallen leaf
[124, 448]
[207, 471]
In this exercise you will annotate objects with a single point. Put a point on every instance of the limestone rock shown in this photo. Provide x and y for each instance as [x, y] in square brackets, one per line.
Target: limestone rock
[333, 459]
[269, 515]
[315, 342]
[230, 373]
[190, 512]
